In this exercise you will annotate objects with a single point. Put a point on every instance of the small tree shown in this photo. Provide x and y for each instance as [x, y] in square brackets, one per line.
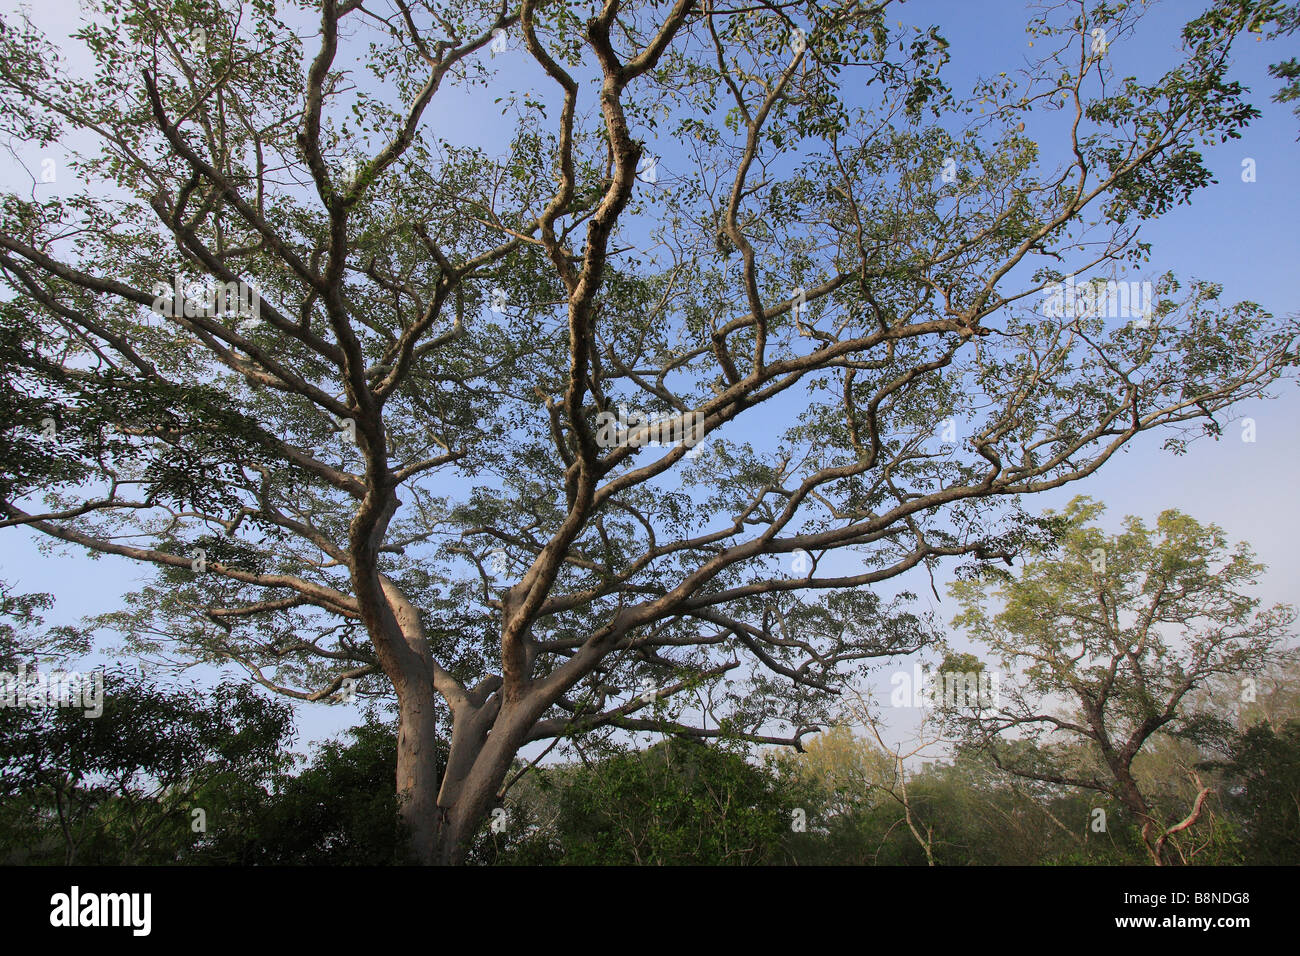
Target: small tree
[928, 734]
[842, 766]
[1104, 639]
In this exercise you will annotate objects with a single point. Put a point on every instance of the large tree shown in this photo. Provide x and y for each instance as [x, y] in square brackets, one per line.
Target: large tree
[392, 469]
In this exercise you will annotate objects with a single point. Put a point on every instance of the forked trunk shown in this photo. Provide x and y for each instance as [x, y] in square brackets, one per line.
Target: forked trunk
[441, 807]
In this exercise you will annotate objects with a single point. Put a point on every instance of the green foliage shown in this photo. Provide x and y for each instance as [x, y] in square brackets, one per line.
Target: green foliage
[1285, 20]
[1106, 638]
[121, 787]
[680, 802]
[1263, 776]
[339, 809]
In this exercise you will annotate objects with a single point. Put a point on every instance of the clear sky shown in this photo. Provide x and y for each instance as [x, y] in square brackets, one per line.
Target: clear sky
[1241, 234]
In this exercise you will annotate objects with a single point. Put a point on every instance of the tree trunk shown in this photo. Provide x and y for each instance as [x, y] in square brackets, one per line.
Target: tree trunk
[418, 774]
[460, 813]
[476, 770]
[455, 834]
[1136, 803]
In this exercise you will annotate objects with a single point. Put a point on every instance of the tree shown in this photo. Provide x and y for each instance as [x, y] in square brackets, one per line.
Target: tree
[895, 783]
[394, 416]
[845, 767]
[127, 786]
[1285, 22]
[25, 639]
[338, 809]
[1263, 771]
[681, 802]
[1104, 639]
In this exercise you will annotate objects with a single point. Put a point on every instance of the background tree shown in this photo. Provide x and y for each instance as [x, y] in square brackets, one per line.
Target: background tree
[680, 802]
[337, 808]
[1104, 639]
[923, 742]
[386, 476]
[843, 766]
[122, 788]
[1263, 787]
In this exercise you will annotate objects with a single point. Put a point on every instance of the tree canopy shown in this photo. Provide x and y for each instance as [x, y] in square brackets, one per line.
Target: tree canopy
[1105, 638]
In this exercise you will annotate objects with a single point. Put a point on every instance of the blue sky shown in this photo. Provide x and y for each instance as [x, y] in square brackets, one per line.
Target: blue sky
[1241, 234]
